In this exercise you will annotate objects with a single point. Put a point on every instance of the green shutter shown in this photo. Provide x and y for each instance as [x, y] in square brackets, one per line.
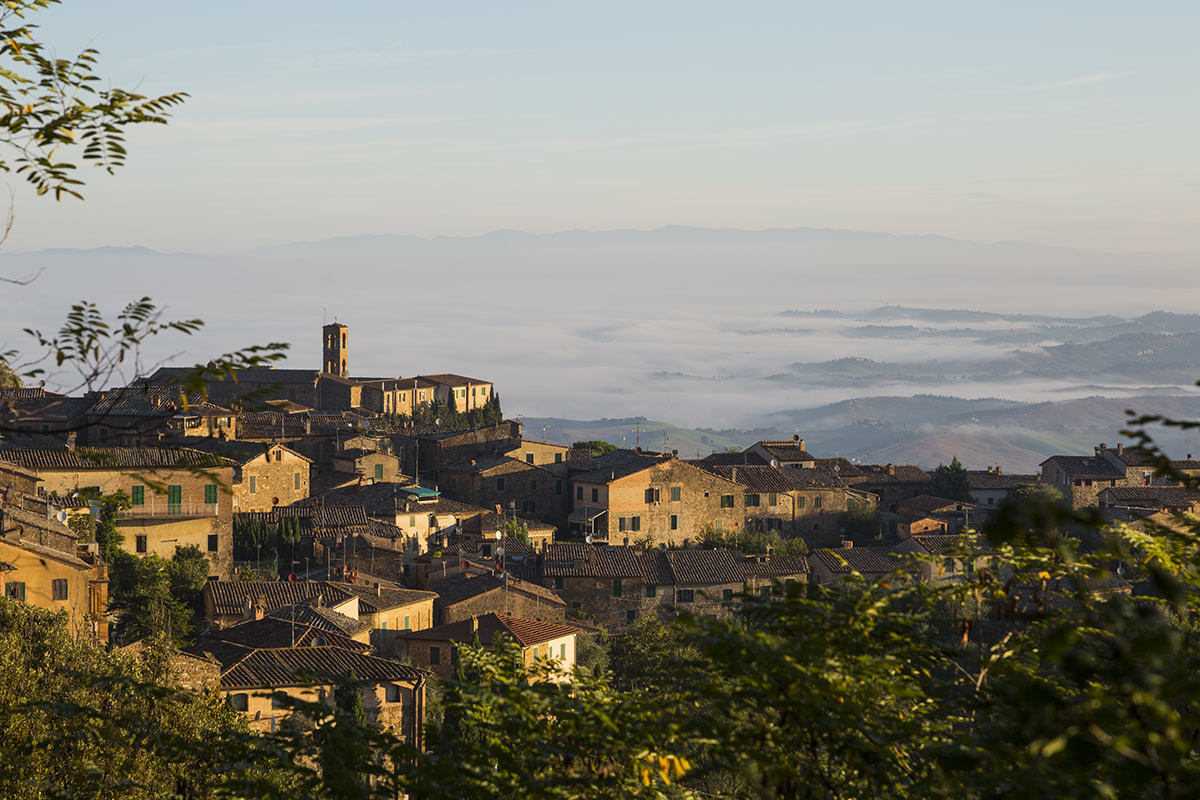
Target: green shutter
[210, 494]
[379, 472]
[617, 587]
[139, 495]
[175, 499]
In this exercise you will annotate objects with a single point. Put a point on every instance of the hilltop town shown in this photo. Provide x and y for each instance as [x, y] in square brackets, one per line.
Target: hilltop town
[379, 524]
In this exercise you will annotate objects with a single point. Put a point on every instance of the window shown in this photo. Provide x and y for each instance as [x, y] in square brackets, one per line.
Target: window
[676, 494]
[686, 595]
[800, 501]
[558, 460]
[534, 650]
[727, 595]
[533, 485]
[595, 495]
[139, 496]
[15, 590]
[558, 582]
[391, 693]
[210, 494]
[575, 605]
[651, 590]
[296, 481]
[616, 587]
[279, 455]
[175, 499]
[562, 651]
[528, 507]
[379, 472]
[623, 523]
[817, 501]
[58, 589]
[412, 521]
[558, 487]
[578, 492]
[751, 501]
[772, 499]
[674, 522]
[726, 501]
[212, 543]
[383, 625]
[631, 616]
[774, 525]
[499, 484]
[529, 458]
[240, 701]
[406, 626]
[652, 495]
[435, 655]
[253, 484]
[140, 543]
[278, 701]
[719, 525]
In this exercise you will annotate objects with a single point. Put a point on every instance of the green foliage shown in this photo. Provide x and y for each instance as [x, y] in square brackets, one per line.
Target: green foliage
[156, 598]
[950, 481]
[515, 529]
[83, 526]
[58, 113]
[862, 523]
[597, 447]
[749, 541]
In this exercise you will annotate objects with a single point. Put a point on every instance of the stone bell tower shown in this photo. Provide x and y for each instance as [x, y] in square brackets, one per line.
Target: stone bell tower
[336, 350]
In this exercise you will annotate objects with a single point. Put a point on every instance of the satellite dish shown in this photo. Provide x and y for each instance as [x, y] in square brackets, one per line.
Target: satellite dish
[774, 462]
[437, 421]
[590, 539]
[61, 516]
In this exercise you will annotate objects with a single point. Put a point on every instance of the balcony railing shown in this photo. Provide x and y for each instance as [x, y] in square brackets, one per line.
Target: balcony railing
[162, 508]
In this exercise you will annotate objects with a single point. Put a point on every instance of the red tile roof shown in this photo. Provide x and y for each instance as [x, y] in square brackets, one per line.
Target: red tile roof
[525, 632]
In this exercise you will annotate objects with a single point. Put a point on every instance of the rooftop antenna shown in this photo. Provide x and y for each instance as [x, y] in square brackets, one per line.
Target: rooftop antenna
[324, 316]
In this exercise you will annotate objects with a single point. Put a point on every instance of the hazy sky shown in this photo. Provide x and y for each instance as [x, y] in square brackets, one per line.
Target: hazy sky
[1071, 123]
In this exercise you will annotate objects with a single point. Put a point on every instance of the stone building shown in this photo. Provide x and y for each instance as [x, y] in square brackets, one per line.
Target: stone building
[784, 453]
[267, 475]
[832, 564]
[957, 515]
[627, 497]
[193, 508]
[1080, 479]
[468, 394]
[503, 595]
[991, 487]
[892, 483]
[514, 485]
[436, 649]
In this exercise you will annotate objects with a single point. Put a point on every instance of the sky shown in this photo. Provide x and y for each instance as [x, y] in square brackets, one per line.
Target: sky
[1066, 123]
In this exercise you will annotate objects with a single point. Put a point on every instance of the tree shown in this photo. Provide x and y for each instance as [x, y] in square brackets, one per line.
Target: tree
[597, 447]
[515, 529]
[950, 482]
[289, 533]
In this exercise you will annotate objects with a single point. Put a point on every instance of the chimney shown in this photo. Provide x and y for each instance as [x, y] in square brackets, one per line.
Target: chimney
[891, 468]
[1120, 448]
[847, 544]
[71, 440]
[260, 607]
[638, 450]
[801, 444]
[796, 438]
[999, 471]
[378, 589]
[474, 624]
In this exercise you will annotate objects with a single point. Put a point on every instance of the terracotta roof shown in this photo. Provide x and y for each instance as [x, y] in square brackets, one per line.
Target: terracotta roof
[491, 521]
[144, 400]
[1152, 496]
[864, 560]
[893, 473]
[1186, 464]
[617, 464]
[704, 567]
[24, 392]
[278, 630]
[233, 597]
[372, 600]
[247, 375]
[320, 619]
[300, 666]
[744, 458]
[571, 559]
[112, 457]
[381, 530]
[456, 591]
[982, 479]
[786, 450]
[314, 518]
[50, 410]
[767, 479]
[1086, 467]
[237, 450]
[928, 504]
[450, 379]
[486, 463]
[771, 566]
[947, 544]
[525, 632]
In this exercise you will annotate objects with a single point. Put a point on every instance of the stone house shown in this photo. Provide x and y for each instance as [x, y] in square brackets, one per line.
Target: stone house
[426, 518]
[259, 677]
[991, 487]
[892, 483]
[504, 595]
[193, 508]
[909, 525]
[42, 563]
[959, 555]
[430, 450]
[626, 496]
[142, 414]
[468, 394]
[809, 502]
[436, 649]
[1080, 479]
[267, 475]
[33, 417]
[553, 457]
[516, 486]
[783, 453]
[762, 573]
[492, 526]
[370, 465]
[957, 515]
[1129, 503]
[832, 564]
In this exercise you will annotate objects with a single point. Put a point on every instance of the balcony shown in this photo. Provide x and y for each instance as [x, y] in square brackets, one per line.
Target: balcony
[156, 509]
